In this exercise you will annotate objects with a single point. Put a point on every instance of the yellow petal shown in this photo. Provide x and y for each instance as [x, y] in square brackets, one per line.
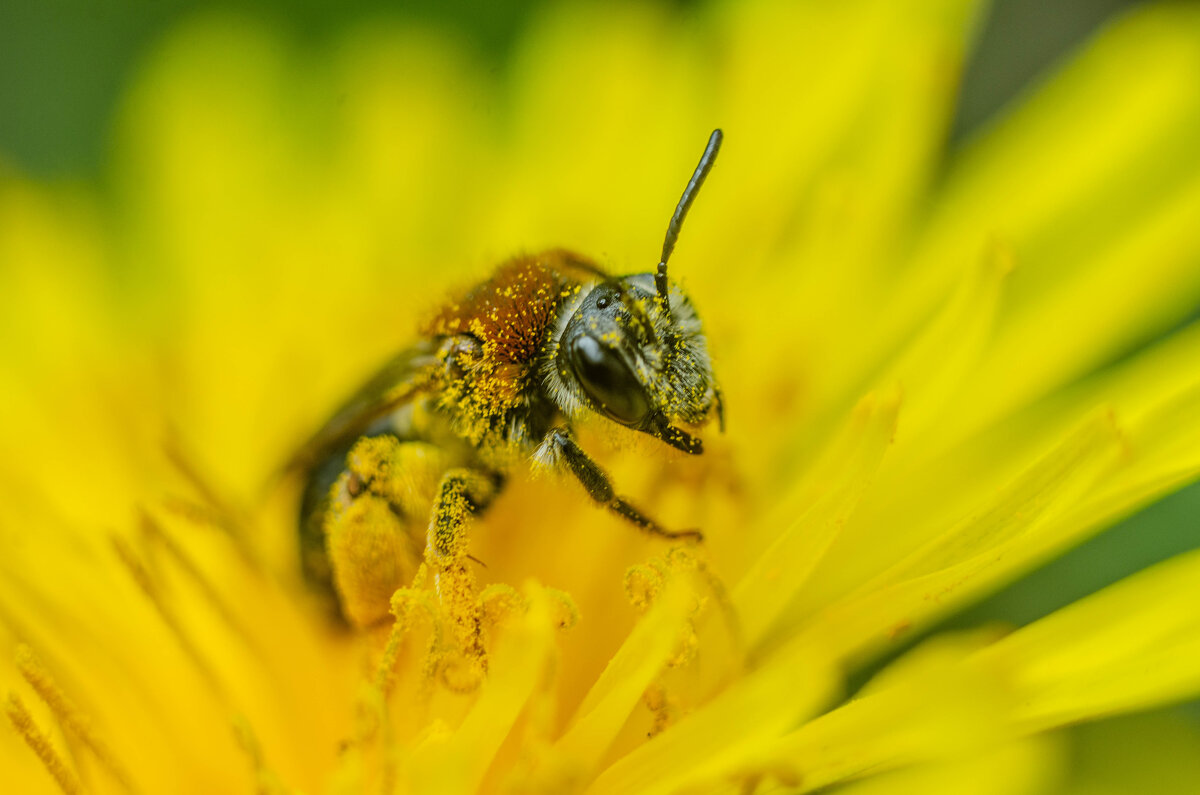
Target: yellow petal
[1165, 455]
[973, 555]
[929, 706]
[717, 740]
[847, 162]
[1133, 645]
[458, 763]
[1097, 143]
[935, 365]
[1021, 767]
[1094, 182]
[641, 657]
[1153, 393]
[824, 502]
[1136, 288]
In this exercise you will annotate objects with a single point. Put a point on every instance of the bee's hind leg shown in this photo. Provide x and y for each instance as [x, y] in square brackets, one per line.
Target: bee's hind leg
[461, 494]
[370, 533]
[561, 446]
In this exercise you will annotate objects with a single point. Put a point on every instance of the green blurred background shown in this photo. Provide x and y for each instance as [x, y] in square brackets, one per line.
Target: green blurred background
[63, 65]
[64, 62]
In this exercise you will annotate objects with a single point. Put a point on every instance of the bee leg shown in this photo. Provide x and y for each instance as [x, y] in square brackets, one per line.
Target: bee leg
[461, 494]
[600, 489]
[368, 522]
[370, 555]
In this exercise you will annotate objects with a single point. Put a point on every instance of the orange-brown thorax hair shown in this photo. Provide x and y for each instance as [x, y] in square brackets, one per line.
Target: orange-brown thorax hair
[509, 317]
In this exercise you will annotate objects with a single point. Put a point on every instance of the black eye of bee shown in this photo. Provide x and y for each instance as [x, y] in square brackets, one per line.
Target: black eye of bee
[608, 380]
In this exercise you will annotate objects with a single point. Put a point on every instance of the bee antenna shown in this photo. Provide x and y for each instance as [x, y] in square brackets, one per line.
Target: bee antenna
[681, 211]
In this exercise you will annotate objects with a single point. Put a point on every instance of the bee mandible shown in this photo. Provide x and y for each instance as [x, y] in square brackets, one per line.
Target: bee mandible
[500, 377]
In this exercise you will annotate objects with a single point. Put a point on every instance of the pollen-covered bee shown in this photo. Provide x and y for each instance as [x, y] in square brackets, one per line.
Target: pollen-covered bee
[499, 377]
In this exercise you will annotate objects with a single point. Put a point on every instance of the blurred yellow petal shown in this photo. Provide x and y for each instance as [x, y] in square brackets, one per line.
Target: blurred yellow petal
[846, 105]
[1095, 315]
[1133, 645]
[1093, 183]
[1021, 767]
[928, 707]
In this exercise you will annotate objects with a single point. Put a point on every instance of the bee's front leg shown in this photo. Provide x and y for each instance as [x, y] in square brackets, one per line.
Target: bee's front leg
[461, 494]
[559, 445]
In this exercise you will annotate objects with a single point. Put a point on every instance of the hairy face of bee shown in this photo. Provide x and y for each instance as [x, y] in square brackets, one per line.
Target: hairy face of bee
[624, 355]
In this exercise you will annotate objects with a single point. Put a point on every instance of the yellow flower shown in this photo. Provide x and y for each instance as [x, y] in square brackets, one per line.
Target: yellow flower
[936, 375]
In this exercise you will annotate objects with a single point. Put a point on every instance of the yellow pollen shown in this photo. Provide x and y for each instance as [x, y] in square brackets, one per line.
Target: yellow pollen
[404, 602]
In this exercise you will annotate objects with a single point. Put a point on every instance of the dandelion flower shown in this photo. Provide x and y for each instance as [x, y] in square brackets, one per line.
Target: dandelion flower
[936, 370]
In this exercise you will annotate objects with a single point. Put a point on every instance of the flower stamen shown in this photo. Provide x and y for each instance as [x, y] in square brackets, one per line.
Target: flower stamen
[150, 590]
[404, 602]
[266, 782]
[222, 514]
[499, 600]
[69, 715]
[23, 722]
[154, 532]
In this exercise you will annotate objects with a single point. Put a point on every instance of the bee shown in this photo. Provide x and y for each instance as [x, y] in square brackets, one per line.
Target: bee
[499, 377]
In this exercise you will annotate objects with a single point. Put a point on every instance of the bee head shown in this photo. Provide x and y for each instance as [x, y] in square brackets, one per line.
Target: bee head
[623, 356]
[633, 348]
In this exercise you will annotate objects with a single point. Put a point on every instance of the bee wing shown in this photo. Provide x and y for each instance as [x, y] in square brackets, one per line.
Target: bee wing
[399, 381]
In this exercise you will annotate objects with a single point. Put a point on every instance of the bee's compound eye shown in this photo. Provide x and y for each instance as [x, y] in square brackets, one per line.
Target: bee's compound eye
[608, 381]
